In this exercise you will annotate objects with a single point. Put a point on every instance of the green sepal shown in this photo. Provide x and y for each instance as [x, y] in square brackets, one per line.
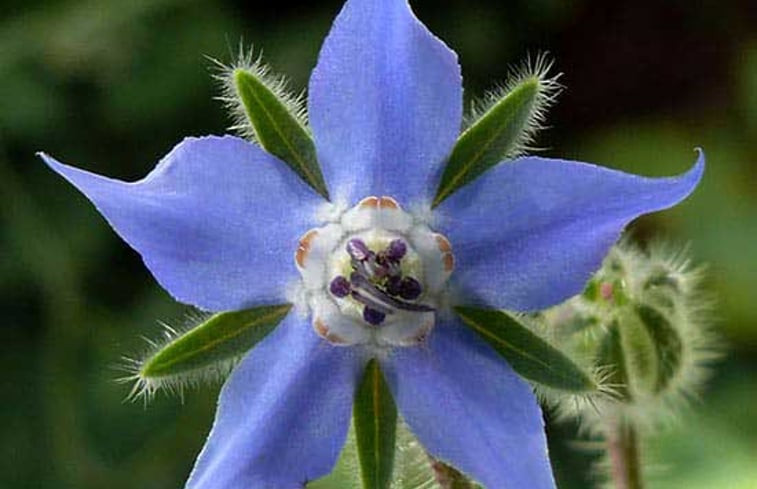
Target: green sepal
[610, 356]
[639, 352]
[491, 138]
[277, 130]
[413, 468]
[668, 346]
[528, 354]
[222, 337]
[375, 417]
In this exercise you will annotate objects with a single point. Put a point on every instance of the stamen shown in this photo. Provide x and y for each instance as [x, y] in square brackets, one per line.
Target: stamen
[396, 250]
[375, 275]
[340, 287]
[410, 289]
[363, 290]
[394, 285]
[358, 250]
[368, 300]
[373, 316]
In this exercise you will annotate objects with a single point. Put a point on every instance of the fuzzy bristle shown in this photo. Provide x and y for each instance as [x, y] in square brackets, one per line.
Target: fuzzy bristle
[146, 387]
[278, 84]
[686, 307]
[536, 68]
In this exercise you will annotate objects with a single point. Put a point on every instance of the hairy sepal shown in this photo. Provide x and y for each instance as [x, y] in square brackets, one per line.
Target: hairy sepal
[502, 126]
[205, 352]
[527, 353]
[413, 468]
[264, 111]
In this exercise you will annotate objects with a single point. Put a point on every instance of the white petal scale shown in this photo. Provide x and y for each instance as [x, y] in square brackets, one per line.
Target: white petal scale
[386, 296]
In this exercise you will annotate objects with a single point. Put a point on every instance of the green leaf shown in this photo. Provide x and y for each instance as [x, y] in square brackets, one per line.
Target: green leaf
[277, 130]
[528, 354]
[375, 418]
[223, 336]
[490, 139]
[668, 346]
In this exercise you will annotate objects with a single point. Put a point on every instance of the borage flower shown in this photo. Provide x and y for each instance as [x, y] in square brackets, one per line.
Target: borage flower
[224, 225]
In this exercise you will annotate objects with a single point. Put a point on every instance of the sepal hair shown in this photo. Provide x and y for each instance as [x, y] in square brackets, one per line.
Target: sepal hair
[278, 84]
[564, 404]
[536, 68]
[145, 387]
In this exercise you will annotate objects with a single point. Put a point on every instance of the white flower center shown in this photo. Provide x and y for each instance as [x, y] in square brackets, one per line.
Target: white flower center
[374, 275]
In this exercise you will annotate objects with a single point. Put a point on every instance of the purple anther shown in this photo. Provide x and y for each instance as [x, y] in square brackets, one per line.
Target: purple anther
[373, 316]
[410, 289]
[358, 250]
[394, 285]
[340, 287]
[396, 250]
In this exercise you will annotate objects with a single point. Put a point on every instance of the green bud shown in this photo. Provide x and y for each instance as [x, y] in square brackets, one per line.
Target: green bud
[651, 343]
[528, 354]
[505, 123]
[206, 351]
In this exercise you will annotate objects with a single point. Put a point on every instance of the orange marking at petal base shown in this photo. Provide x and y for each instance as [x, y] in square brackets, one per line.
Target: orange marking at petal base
[323, 331]
[449, 261]
[299, 257]
[369, 202]
[306, 241]
[443, 243]
[320, 327]
[388, 203]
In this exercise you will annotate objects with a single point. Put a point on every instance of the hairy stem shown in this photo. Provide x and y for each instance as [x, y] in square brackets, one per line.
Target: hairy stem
[625, 460]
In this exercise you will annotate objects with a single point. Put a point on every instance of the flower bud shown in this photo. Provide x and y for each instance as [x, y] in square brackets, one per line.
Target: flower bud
[642, 321]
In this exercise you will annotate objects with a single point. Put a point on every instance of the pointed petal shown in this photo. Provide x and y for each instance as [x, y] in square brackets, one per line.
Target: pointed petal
[385, 102]
[217, 221]
[283, 414]
[469, 409]
[530, 233]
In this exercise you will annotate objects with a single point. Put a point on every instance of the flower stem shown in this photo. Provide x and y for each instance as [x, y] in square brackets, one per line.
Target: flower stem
[625, 460]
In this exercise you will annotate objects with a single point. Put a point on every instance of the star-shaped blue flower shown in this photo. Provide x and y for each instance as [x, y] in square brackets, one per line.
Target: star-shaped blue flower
[219, 220]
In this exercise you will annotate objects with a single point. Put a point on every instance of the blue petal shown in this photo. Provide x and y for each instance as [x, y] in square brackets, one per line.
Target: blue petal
[468, 408]
[385, 102]
[530, 233]
[283, 414]
[217, 221]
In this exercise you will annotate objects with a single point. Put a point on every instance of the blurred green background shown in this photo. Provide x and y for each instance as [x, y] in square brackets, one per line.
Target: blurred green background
[113, 85]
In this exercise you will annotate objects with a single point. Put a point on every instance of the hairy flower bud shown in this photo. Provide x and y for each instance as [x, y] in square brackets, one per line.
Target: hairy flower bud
[642, 320]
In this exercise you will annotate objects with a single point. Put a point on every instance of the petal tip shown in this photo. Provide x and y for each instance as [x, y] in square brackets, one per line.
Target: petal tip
[694, 175]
